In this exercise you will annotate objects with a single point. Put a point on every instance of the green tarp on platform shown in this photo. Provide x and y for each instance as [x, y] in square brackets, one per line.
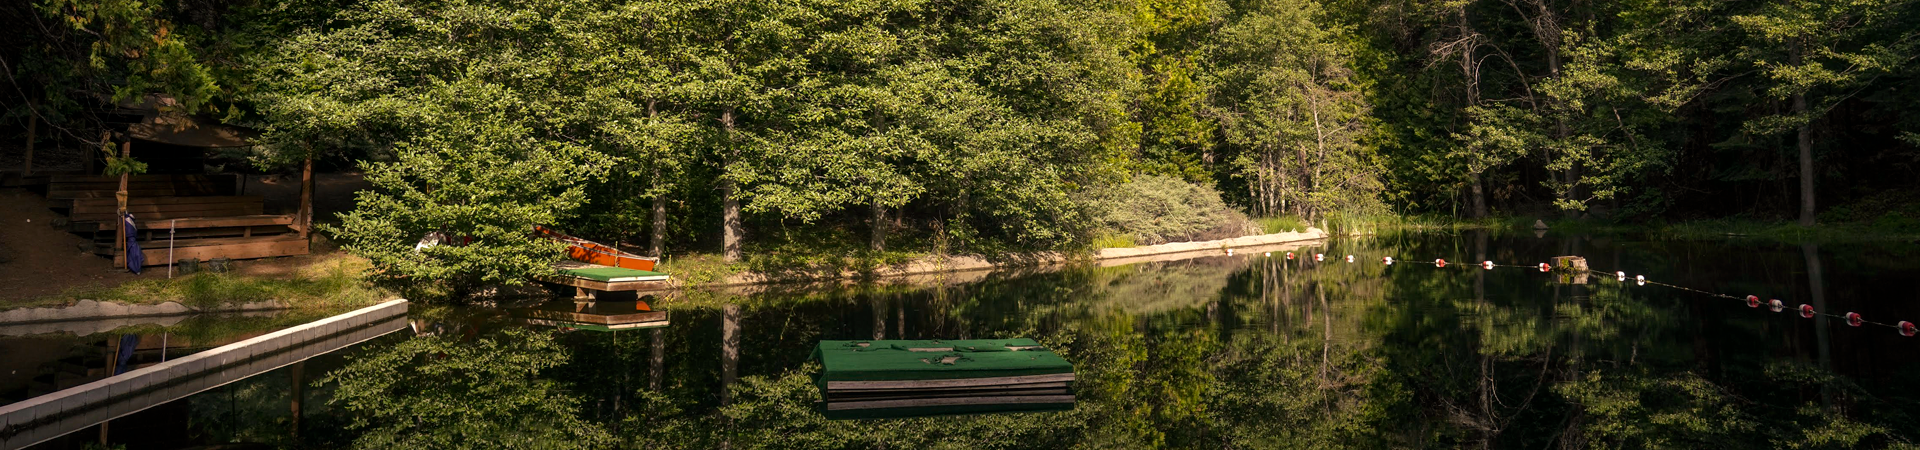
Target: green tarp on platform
[613, 273]
[889, 360]
[914, 378]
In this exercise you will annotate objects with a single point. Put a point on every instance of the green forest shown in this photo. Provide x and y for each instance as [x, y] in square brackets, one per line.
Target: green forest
[880, 128]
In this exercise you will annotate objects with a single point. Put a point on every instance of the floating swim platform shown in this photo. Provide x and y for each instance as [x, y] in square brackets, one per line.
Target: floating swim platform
[908, 378]
[614, 274]
[595, 277]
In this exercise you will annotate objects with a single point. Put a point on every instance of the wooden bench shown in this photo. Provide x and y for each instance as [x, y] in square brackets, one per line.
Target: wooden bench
[202, 227]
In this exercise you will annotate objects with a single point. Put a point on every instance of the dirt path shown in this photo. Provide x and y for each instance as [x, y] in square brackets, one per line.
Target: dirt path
[38, 260]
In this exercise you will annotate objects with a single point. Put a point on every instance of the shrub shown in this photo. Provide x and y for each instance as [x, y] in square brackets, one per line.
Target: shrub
[1282, 224]
[1155, 209]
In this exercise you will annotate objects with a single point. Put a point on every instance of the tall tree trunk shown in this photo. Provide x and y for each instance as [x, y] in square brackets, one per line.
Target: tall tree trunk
[306, 196]
[33, 128]
[1805, 139]
[731, 231]
[879, 239]
[1546, 29]
[657, 242]
[120, 199]
[1478, 196]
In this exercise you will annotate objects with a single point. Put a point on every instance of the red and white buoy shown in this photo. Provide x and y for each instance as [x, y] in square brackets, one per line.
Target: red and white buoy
[1545, 268]
[1386, 260]
[1439, 263]
[1319, 257]
[1486, 265]
[1776, 306]
[1853, 318]
[1289, 255]
[1640, 280]
[1269, 254]
[1622, 276]
[1349, 258]
[1906, 328]
[1806, 310]
[1753, 301]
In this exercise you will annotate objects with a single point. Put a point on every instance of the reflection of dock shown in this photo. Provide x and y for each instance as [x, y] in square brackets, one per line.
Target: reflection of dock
[595, 316]
[50, 416]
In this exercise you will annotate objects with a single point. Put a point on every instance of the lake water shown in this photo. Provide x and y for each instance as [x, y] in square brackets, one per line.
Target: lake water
[1242, 351]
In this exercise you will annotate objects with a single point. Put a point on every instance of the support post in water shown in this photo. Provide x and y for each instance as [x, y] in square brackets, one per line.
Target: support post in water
[1572, 269]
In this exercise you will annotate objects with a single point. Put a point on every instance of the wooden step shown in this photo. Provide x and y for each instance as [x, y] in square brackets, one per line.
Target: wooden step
[231, 248]
[215, 222]
[197, 227]
[161, 204]
[108, 203]
[108, 193]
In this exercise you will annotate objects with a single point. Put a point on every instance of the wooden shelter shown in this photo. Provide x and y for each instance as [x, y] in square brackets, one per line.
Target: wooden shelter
[187, 215]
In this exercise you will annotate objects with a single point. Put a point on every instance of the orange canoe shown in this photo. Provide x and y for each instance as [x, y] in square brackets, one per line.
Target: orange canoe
[596, 253]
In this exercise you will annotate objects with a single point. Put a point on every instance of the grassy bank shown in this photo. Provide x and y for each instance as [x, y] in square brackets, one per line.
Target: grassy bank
[334, 280]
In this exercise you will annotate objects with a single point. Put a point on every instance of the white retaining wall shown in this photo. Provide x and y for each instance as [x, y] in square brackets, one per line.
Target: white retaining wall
[49, 416]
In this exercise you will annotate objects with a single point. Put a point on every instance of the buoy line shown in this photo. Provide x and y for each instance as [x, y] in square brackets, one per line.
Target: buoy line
[1905, 328]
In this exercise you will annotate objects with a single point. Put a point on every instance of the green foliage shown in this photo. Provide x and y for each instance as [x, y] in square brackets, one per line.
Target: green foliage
[1113, 240]
[476, 154]
[437, 392]
[1290, 112]
[1155, 209]
[1282, 224]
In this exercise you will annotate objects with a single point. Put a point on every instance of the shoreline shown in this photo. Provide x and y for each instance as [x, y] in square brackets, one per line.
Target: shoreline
[940, 265]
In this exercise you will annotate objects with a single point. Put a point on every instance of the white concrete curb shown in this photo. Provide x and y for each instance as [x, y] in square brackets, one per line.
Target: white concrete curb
[84, 396]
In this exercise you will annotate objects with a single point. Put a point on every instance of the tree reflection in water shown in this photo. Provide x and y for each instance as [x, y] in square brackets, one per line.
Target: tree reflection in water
[1219, 352]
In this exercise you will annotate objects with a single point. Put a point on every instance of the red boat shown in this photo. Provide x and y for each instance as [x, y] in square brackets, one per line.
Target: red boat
[596, 253]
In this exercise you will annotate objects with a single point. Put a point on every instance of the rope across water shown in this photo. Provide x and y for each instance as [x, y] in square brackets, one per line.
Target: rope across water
[1905, 328]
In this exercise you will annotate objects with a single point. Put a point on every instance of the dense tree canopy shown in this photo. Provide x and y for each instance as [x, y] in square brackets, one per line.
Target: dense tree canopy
[976, 126]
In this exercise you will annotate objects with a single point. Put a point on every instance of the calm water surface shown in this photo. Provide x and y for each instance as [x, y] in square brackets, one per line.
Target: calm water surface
[1243, 351]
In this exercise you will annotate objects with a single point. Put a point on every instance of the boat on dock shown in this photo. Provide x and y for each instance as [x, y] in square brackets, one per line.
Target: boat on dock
[596, 253]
